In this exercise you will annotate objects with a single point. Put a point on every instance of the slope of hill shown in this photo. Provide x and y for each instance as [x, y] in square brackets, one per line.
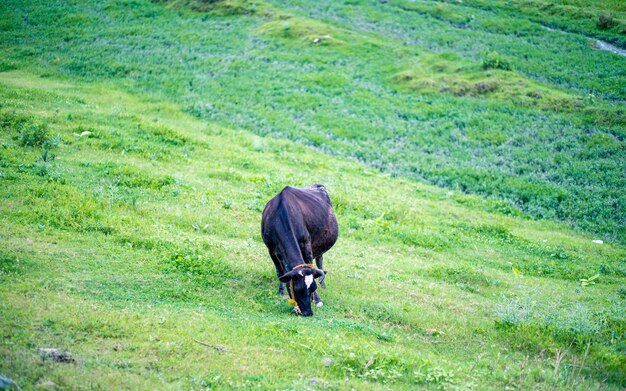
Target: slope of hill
[132, 183]
[471, 99]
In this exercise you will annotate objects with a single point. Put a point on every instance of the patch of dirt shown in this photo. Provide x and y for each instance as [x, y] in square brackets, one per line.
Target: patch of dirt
[56, 355]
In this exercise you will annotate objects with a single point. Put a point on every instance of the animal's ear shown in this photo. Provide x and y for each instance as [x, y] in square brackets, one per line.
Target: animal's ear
[288, 276]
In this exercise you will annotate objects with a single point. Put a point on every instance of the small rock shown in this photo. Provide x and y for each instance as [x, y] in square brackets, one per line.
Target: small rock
[431, 332]
[326, 361]
[316, 40]
[597, 241]
[6, 383]
[46, 384]
[56, 355]
[314, 381]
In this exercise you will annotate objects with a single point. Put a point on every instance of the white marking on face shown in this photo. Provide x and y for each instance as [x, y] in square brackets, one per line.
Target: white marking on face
[308, 280]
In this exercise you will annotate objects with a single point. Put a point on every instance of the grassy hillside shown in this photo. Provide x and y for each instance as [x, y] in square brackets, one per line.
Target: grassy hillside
[123, 244]
[140, 141]
[605, 19]
[499, 107]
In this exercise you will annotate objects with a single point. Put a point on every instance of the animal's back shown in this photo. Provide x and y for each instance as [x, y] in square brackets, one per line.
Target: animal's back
[308, 207]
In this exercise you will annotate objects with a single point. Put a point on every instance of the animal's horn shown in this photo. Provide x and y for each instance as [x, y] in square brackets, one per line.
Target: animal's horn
[320, 275]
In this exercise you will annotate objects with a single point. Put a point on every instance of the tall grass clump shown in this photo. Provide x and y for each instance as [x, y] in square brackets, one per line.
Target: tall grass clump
[571, 323]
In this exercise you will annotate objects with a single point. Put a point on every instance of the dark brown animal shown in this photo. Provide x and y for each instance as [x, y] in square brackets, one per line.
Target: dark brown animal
[299, 225]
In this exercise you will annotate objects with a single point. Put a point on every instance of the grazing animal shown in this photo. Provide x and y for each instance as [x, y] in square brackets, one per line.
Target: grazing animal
[299, 225]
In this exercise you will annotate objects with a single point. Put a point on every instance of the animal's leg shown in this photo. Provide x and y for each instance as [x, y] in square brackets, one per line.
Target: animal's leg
[279, 272]
[319, 261]
[317, 299]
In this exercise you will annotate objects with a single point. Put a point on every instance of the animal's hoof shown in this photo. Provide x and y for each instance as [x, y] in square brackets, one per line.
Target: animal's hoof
[319, 304]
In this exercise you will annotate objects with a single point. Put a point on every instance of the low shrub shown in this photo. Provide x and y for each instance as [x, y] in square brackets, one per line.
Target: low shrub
[493, 60]
[28, 133]
[605, 22]
[33, 135]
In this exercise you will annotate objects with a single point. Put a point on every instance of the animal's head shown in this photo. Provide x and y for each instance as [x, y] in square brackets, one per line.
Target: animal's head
[302, 285]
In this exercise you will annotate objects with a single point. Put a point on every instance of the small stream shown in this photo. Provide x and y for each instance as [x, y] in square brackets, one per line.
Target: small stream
[610, 48]
[599, 44]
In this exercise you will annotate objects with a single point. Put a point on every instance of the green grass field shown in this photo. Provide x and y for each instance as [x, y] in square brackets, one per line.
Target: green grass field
[472, 156]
